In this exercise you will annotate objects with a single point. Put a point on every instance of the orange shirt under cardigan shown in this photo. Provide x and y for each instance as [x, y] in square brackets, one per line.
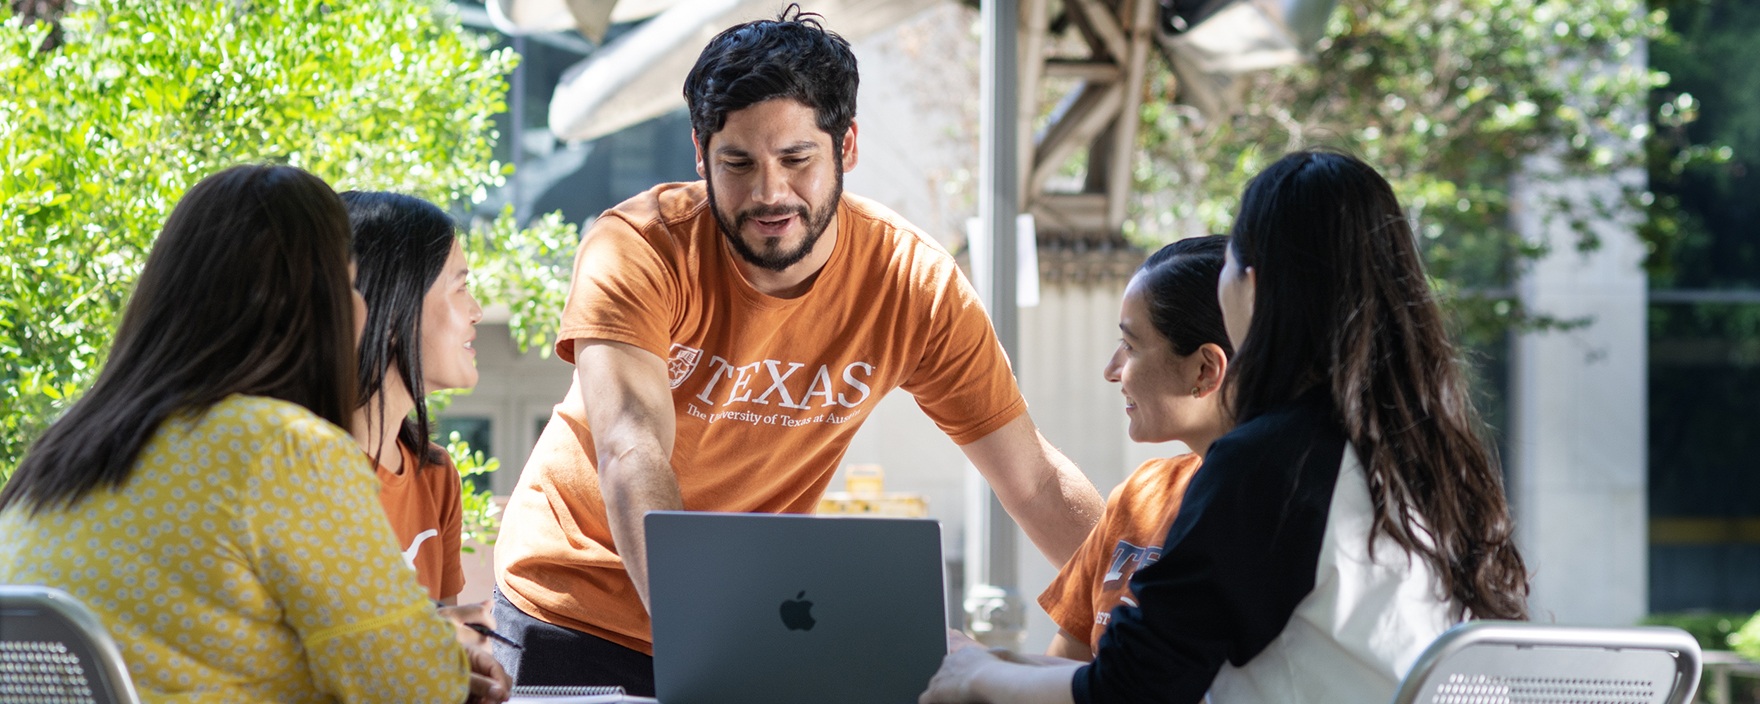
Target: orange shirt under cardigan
[1129, 537]
[767, 391]
[425, 513]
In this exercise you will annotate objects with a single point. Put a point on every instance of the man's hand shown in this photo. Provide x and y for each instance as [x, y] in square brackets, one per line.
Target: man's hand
[1045, 493]
[629, 407]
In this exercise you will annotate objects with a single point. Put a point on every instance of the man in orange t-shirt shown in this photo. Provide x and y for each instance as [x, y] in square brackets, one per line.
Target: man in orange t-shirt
[729, 336]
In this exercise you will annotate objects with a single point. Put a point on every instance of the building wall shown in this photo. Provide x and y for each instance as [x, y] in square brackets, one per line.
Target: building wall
[1579, 459]
[1579, 411]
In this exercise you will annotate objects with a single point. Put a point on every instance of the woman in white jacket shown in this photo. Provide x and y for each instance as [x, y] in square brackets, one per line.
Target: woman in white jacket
[1352, 515]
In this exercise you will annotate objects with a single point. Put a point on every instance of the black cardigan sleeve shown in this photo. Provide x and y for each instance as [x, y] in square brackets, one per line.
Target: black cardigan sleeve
[1239, 558]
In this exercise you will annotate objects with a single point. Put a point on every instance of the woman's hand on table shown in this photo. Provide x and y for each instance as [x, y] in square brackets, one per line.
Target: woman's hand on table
[959, 669]
[489, 683]
[973, 673]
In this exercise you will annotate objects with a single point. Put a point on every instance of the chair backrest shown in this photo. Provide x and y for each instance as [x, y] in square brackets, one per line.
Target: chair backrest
[1509, 662]
[53, 650]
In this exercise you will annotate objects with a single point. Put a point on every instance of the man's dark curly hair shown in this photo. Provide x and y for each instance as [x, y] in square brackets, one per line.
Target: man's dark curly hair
[792, 56]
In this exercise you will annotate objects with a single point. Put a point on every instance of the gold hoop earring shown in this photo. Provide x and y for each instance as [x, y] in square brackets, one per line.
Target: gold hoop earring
[1197, 391]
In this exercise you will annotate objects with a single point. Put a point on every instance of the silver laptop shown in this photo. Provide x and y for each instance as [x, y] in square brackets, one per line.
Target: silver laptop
[785, 609]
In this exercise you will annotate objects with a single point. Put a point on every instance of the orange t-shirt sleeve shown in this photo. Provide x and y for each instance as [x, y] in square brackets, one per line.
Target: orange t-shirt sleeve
[1069, 601]
[964, 382]
[620, 279]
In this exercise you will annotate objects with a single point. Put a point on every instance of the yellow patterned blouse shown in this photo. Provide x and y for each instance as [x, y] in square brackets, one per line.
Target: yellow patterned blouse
[246, 559]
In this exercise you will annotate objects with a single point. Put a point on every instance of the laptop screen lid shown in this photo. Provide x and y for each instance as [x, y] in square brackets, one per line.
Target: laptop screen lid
[790, 609]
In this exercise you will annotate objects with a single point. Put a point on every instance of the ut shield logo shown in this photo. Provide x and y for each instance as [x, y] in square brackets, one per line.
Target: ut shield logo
[682, 362]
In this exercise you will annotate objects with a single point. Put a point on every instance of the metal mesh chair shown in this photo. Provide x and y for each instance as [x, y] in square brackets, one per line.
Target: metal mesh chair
[54, 651]
[1508, 662]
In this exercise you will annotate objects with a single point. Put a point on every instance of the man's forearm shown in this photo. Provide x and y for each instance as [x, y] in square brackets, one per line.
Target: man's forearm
[1061, 512]
[634, 484]
[1045, 493]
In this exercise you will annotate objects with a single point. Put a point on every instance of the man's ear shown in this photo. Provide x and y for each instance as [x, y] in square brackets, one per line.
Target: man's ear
[698, 147]
[849, 147]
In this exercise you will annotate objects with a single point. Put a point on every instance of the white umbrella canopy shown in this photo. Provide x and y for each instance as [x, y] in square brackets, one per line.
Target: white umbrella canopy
[1238, 37]
[640, 75]
[589, 17]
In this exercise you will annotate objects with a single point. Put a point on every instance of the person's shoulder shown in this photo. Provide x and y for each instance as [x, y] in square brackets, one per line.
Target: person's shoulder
[437, 470]
[663, 205]
[259, 428]
[435, 449]
[262, 416]
[1306, 416]
[657, 230]
[442, 463]
[1162, 470]
[678, 202]
[1154, 478]
[872, 216]
[1280, 442]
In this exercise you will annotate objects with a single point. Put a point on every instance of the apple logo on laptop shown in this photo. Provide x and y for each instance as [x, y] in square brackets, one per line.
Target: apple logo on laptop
[797, 613]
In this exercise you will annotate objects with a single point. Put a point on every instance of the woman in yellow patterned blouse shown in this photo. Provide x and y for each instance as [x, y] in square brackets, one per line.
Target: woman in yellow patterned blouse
[201, 498]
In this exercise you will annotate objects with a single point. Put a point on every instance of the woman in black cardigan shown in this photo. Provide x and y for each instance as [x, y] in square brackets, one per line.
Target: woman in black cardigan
[1353, 514]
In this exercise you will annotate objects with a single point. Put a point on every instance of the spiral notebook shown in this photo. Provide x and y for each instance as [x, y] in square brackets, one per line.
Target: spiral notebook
[547, 694]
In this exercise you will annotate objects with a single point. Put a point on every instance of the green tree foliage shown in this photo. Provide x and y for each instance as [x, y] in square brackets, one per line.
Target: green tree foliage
[481, 521]
[1714, 630]
[102, 129]
[528, 270]
[1747, 640]
[1451, 99]
[1711, 109]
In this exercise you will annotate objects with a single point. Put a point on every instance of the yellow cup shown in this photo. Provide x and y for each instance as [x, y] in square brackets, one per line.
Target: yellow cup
[864, 479]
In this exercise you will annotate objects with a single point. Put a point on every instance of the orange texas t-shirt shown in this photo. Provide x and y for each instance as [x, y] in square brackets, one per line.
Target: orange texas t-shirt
[1128, 538]
[767, 391]
[426, 516]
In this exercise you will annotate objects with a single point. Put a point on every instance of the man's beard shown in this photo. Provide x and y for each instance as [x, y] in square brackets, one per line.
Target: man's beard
[776, 259]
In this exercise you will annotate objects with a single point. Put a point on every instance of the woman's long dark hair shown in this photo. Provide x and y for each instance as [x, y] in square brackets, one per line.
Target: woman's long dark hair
[400, 247]
[246, 291]
[1179, 288]
[1341, 299]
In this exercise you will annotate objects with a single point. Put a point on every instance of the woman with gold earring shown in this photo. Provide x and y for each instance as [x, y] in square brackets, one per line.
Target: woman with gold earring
[1172, 355]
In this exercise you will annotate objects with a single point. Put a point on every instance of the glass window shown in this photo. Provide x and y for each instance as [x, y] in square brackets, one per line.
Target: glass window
[1704, 449]
[1704, 387]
